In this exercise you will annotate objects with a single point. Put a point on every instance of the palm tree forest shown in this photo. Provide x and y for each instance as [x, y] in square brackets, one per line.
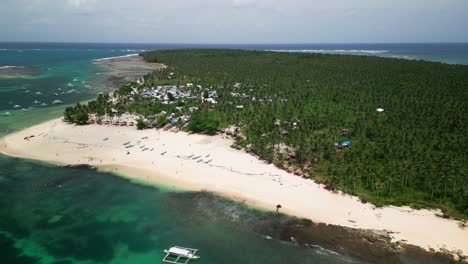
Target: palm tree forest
[390, 131]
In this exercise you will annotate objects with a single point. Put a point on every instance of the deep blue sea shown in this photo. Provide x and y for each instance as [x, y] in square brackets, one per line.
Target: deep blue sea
[53, 214]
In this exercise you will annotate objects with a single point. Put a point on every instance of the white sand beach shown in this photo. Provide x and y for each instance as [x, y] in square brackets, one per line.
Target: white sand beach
[199, 162]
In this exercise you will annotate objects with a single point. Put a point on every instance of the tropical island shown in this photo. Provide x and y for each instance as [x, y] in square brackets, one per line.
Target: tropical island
[308, 133]
[390, 131]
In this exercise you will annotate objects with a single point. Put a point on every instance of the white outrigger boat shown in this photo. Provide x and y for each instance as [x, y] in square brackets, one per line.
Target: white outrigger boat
[180, 255]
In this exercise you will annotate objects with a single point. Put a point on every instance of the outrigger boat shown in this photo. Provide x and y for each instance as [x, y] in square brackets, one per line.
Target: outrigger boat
[180, 255]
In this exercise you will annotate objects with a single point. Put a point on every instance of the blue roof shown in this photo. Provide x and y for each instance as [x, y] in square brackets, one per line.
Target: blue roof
[346, 143]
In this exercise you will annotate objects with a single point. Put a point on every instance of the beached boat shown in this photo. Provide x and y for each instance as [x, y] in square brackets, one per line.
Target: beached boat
[180, 255]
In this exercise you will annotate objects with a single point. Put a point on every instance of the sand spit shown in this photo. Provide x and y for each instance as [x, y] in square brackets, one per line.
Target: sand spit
[124, 69]
[199, 162]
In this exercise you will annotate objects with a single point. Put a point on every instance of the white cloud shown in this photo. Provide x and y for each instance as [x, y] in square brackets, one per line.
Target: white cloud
[239, 3]
[79, 3]
[260, 21]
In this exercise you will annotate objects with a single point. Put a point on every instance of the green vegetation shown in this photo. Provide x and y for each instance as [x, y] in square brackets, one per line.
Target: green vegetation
[77, 114]
[207, 122]
[296, 110]
[141, 124]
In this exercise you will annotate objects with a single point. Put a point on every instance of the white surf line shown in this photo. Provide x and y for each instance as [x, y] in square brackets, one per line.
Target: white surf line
[116, 57]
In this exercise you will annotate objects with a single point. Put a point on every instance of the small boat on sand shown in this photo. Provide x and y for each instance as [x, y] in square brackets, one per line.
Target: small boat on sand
[180, 255]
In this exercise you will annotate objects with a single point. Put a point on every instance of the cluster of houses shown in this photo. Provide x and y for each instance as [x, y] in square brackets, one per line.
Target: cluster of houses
[173, 94]
[169, 94]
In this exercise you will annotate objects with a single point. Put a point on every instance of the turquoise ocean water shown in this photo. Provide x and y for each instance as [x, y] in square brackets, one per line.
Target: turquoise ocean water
[49, 79]
[52, 214]
[76, 215]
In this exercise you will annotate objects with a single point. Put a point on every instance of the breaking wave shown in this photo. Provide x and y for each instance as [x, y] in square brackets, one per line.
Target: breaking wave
[132, 50]
[116, 57]
[10, 67]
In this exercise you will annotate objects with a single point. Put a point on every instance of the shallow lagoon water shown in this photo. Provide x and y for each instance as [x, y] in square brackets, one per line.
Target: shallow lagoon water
[54, 214]
[66, 81]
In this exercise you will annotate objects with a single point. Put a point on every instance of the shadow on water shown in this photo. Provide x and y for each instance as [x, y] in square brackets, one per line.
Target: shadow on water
[78, 215]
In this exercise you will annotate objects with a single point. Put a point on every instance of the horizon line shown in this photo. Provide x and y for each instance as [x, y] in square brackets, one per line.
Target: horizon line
[227, 43]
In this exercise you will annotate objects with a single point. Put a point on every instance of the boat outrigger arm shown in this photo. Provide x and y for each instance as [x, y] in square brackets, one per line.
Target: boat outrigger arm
[180, 255]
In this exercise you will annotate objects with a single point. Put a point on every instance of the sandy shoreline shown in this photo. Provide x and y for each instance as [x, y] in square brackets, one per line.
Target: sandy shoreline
[199, 162]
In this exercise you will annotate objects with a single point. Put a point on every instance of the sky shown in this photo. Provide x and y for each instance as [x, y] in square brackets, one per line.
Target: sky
[234, 21]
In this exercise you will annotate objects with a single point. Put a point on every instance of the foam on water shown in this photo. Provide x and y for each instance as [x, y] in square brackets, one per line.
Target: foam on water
[116, 57]
[10, 67]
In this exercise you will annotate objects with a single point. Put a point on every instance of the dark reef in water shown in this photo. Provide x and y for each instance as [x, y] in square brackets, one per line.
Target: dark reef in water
[10, 254]
[61, 180]
[365, 245]
[14, 72]
[81, 166]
